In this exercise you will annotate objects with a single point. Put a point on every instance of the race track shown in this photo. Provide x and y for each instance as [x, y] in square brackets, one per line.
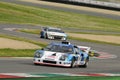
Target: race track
[18, 65]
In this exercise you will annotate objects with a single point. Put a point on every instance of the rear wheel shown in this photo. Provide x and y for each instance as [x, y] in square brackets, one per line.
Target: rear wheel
[86, 63]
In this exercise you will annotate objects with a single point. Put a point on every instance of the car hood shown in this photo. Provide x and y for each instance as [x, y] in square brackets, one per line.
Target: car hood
[56, 34]
[48, 55]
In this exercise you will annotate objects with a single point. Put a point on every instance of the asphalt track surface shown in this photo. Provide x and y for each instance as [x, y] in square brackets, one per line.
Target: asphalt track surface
[18, 65]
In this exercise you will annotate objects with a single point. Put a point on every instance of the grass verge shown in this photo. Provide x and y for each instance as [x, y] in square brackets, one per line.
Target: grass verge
[40, 16]
[17, 52]
[70, 78]
[31, 31]
[95, 41]
[23, 39]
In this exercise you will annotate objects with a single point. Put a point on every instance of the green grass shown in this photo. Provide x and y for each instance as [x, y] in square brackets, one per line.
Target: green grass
[17, 52]
[41, 44]
[100, 33]
[70, 78]
[94, 41]
[17, 14]
[31, 31]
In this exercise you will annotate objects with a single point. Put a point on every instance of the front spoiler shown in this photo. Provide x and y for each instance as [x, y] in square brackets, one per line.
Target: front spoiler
[50, 64]
[58, 63]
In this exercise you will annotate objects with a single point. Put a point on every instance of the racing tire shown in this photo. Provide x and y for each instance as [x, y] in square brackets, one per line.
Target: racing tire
[46, 36]
[72, 63]
[86, 63]
[41, 36]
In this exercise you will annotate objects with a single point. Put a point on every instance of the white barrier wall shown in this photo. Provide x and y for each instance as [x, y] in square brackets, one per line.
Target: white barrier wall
[94, 2]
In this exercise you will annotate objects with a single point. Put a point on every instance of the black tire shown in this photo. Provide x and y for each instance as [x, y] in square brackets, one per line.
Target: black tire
[46, 37]
[73, 63]
[83, 66]
[86, 63]
[41, 36]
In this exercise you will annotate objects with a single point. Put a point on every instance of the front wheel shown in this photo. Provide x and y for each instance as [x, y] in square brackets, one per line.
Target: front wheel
[41, 34]
[72, 63]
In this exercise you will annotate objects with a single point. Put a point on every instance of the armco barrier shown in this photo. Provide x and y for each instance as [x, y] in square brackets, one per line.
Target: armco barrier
[91, 3]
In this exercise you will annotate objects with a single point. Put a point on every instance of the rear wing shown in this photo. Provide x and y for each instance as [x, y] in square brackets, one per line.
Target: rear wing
[84, 48]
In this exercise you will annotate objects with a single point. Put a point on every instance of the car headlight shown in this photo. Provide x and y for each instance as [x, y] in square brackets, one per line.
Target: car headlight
[63, 57]
[38, 54]
[63, 38]
[50, 36]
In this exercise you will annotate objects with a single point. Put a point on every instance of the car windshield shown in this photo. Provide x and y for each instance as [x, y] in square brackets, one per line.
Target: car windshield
[55, 30]
[59, 48]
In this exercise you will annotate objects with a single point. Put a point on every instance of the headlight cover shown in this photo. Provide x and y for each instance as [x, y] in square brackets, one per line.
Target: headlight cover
[63, 57]
[38, 54]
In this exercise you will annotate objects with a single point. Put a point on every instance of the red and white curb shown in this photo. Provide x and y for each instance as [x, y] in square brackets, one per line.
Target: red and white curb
[17, 75]
[25, 75]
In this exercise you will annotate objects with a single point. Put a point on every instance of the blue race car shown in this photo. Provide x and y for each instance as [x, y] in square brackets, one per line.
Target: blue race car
[62, 54]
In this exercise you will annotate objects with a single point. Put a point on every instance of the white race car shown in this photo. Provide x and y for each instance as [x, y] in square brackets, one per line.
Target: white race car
[63, 54]
[52, 33]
